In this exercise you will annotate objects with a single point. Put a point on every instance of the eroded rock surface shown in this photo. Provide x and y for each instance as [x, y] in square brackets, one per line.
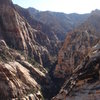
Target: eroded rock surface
[77, 45]
[84, 83]
[18, 34]
[18, 78]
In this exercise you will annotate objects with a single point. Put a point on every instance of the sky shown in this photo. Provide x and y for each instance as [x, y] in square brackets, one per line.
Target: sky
[66, 6]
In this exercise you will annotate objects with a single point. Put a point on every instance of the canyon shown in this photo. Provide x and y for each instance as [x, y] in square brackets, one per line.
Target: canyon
[48, 55]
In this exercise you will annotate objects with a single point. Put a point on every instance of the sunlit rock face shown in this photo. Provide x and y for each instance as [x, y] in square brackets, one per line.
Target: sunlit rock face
[75, 48]
[79, 62]
[84, 83]
[18, 78]
[45, 35]
[77, 45]
[18, 34]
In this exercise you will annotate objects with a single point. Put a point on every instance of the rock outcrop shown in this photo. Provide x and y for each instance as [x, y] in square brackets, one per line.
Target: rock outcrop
[84, 83]
[75, 48]
[18, 34]
[77, 45]
[18, 78]
[79, 62]
[45, 35]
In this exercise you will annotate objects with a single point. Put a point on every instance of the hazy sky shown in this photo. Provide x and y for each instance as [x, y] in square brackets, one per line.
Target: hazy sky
[67, 6]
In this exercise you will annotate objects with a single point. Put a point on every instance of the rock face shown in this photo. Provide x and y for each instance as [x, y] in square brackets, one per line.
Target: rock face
[46, 36]
[21, 56]
[18, 34]
[84, 83]
[18, 78]
[76, 46]
[60, 23]
[79, 62]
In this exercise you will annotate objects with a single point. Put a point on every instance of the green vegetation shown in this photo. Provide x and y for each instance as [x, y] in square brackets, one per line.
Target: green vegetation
[42, 95]
[32, 61]
[5, 55]
[31, 91]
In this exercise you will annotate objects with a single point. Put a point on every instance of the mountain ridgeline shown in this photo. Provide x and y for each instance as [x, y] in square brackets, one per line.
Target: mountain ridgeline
[48, 55]
[60, 23]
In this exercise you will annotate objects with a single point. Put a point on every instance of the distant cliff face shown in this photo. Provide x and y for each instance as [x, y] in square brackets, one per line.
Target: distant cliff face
[77, 45]
[75, 48]
[60, 23]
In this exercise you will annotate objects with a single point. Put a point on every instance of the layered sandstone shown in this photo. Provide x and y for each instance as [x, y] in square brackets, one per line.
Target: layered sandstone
[77, 45]
[75, 48]
[45, 35]
[18, 78]
[19, 45]
[84, 83]
[18, 34]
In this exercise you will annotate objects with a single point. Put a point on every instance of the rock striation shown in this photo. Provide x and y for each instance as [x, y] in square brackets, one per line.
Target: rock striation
[18, 34]
[18, 78]
[84, 83]
[77, 45]
[21, 57]
[45, 35]
[79, 62]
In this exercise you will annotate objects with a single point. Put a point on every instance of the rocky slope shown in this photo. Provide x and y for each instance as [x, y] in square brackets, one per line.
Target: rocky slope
[22, 75]
[84, 83]
[18, 78]
[77, 45]
[60, 23]
[46, 36]
[28, 45]
[79, 62]
[18, 34]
